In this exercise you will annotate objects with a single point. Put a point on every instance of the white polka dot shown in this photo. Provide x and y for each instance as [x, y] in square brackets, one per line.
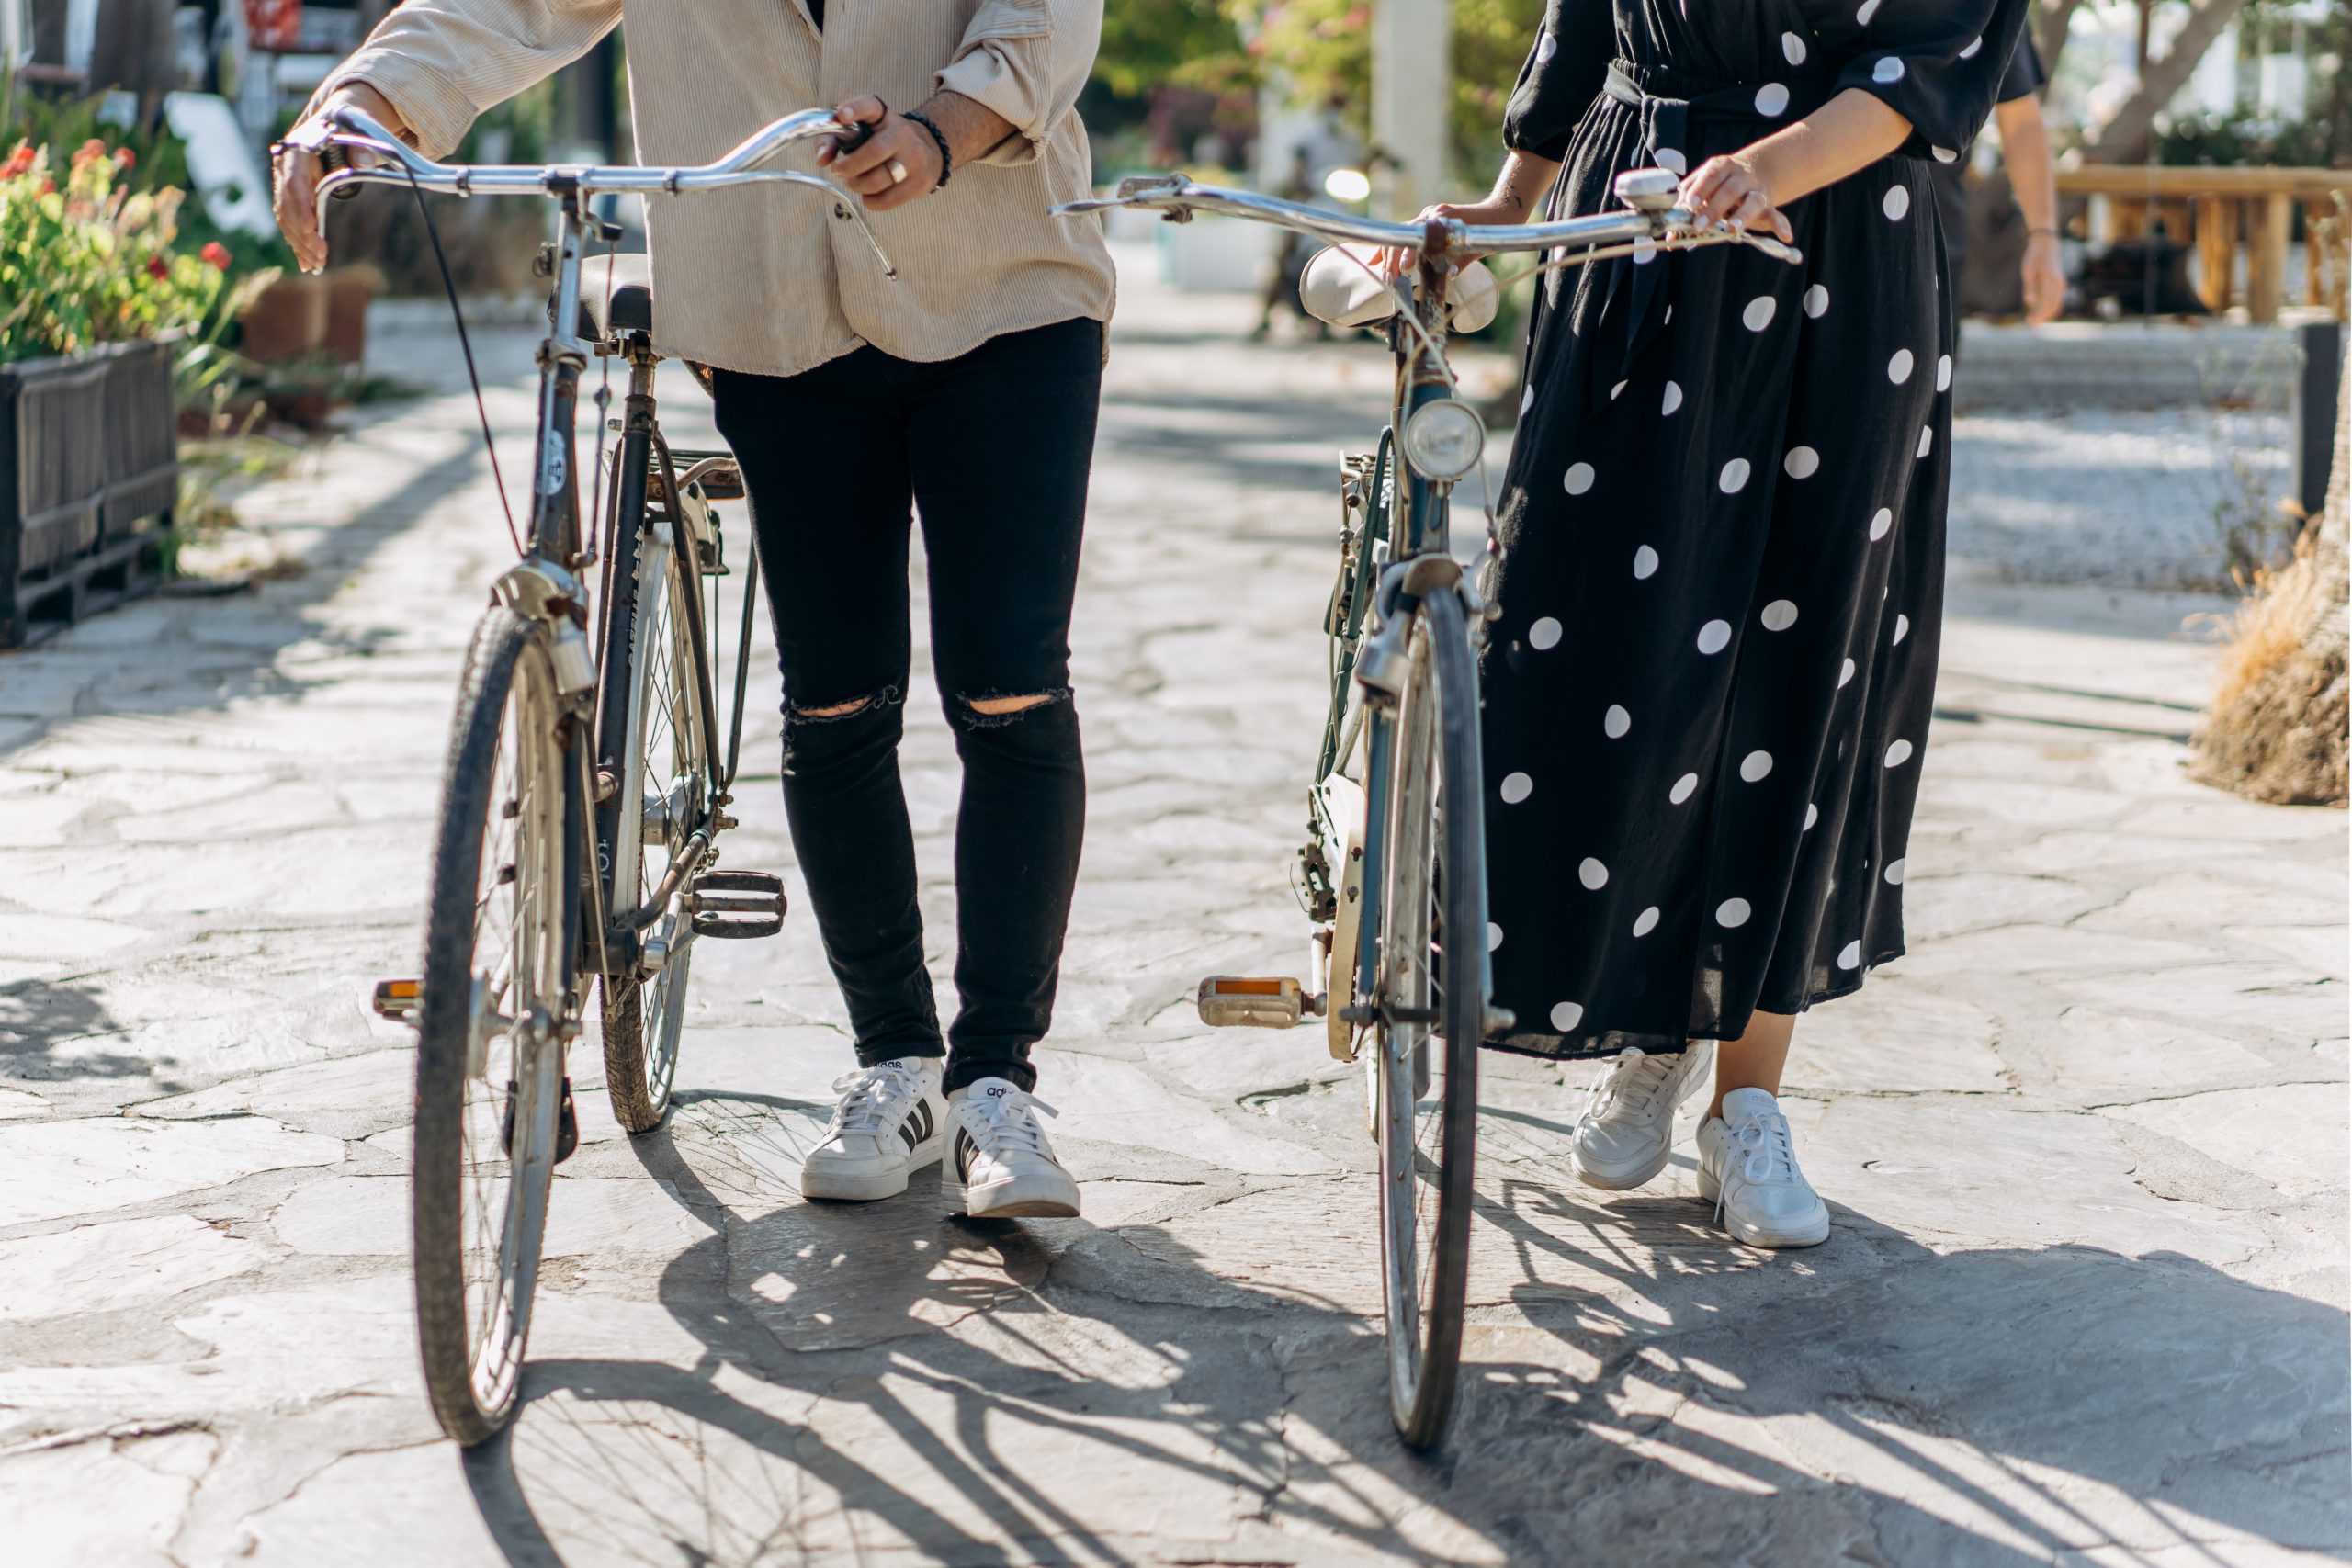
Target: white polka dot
[1945, 154]
[1862, 17]
[1616, 722]
[1772, 98]
[1543, 633]
[1671, 158]
[1881, 521]
[1667, 319]
[1516, 788]
[1894, 871]
[1943, 372]
[1682, 788]
[1926, 439]
[1816, 300]
[1733, 912]
[1644, 562]
[1850, 955]
[1889, 70]
[1812, 814]
[1780, 615]
[1898, 753]
[1898, 371]
[1973, 45]
[1673, 399]
[1734, 476]
[1759, 314]
[1547, 46]
[1494, 936]
[1714, 637]
[1564, 1016]
[1579, 478]
[1844, 674]
[1755, 766]
[1902, 627]
[1644, 250]
[1793, 49]
[1898, 203]
[1592, 874]
[1646, 921]
[1801, 463]
[1615, 390]
[1527, 398]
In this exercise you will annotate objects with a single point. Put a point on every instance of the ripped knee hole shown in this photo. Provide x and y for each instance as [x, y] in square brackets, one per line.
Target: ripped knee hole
[996, 707]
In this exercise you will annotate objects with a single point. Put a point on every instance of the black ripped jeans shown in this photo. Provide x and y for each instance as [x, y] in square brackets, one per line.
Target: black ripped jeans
[992, 450]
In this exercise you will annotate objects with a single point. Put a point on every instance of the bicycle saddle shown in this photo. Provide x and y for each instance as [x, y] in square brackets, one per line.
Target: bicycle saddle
[1341, 286]
[615, 295]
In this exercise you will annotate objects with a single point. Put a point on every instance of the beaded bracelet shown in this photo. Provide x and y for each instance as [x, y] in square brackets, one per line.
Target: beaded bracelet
[946, 159]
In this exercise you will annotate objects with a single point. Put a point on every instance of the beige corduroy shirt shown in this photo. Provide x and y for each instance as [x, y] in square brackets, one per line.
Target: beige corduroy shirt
[767, 278]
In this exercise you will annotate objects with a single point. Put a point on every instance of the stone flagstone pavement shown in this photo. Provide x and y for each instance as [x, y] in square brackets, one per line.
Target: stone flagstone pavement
[2084, 1301]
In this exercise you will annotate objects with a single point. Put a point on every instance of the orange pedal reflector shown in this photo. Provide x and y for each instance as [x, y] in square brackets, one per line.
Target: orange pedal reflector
[396, 999]
[1236, 1001]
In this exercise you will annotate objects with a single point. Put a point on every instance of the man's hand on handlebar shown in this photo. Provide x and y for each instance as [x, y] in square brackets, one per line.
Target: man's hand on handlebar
[1491, 212]
[297, 170]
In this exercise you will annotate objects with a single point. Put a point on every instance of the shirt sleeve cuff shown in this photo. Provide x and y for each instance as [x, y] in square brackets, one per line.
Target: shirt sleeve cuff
[438, 112]
[991, 75]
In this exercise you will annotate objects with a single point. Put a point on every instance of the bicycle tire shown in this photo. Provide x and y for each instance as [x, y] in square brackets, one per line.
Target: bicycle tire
[642, 1018]
[483, 1163]
[1435, 877]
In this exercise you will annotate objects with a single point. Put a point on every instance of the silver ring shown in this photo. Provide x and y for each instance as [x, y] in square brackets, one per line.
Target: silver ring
[898, 171]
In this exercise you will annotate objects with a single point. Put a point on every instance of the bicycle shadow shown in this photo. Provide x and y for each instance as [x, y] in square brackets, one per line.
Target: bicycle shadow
[885, 1380]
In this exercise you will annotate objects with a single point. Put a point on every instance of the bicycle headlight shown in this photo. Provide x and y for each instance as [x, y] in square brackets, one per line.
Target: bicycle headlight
[1442, 439]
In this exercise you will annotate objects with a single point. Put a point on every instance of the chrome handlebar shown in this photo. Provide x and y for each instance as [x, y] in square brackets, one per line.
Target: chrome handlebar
[1647, 193]
[390, 161]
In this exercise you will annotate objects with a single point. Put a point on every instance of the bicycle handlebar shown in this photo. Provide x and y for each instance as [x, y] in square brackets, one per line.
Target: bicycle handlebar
[395, 161]
[1651, 216]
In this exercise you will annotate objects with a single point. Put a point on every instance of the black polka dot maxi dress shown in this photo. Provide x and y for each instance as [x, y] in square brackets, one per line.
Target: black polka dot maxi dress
[1708, 695]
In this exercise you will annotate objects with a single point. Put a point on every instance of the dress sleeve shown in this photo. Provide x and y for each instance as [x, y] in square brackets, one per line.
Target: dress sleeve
[1940, 65]
[2025, 75]
[1561, 78]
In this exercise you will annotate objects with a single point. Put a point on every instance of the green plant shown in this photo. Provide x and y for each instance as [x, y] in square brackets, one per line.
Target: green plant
[93, 260]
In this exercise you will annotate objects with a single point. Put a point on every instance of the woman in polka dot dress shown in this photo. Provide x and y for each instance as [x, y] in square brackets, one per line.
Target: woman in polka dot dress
[1708, 690]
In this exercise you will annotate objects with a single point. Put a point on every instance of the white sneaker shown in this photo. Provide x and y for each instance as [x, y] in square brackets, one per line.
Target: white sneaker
[1003, 1167]
[1627, 1127]
[891, 1121]
[1747, 1169]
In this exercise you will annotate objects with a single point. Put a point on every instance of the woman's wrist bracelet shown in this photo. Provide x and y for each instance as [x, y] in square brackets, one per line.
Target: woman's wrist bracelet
[946, 158]
[2053, 234]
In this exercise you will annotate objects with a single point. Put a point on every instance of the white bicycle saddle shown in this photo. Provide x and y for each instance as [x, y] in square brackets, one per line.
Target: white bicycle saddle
[1342, 286]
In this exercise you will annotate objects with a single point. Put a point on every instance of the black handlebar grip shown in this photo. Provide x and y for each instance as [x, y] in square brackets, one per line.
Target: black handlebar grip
[859, 132]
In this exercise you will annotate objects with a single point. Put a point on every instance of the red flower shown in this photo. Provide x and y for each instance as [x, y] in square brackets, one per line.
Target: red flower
[47, 187]
[125, 159]
[19, 161]
[157, 266]
[217, 253]
[89, 150]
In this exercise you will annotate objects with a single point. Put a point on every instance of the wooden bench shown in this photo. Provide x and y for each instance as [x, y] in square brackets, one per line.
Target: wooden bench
[2219, 210]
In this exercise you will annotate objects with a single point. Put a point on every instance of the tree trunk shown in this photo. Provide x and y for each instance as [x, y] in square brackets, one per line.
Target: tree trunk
[2124, 139]
[2050, 31]
[2276, 731]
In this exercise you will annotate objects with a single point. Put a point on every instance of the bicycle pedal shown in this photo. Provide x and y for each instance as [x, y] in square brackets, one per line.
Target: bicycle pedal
[1244, 1002]
[734, 906]
[397, 1001]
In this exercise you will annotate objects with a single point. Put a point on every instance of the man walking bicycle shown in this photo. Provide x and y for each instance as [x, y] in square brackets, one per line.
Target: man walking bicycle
[966, 390]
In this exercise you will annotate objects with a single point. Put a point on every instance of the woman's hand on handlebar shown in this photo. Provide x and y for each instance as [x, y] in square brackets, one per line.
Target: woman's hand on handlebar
[1729, 190]
[298, 172]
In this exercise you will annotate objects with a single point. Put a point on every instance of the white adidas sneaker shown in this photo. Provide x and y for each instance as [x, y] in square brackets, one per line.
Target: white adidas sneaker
[1747, 1169]
[1627, 1128]
[1001, 1165]
[891, 1121]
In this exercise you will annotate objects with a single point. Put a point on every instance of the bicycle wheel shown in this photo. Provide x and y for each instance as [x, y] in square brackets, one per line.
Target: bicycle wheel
[665, 768]
[1433, 980]
[495, 995]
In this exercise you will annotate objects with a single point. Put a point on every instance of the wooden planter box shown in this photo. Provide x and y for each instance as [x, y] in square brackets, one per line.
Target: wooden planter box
[89, 474]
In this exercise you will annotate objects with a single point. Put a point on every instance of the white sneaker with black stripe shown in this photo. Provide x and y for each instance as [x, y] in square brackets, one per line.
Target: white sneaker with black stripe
[891, 1121]
[1001, 1165]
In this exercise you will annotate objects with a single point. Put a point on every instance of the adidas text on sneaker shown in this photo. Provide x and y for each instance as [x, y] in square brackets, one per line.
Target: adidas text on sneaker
[891, 1121]
[1627, 1128]
[1747, 1169]
[999, 1164]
